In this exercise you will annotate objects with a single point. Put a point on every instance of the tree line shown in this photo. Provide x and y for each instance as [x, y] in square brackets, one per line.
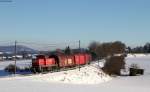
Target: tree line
[140, 49]
[101, 50]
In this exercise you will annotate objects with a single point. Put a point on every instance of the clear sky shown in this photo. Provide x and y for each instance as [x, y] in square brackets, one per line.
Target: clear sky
[51, 21]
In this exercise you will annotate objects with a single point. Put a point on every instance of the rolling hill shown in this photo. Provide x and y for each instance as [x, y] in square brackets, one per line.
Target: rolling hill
[20, 48]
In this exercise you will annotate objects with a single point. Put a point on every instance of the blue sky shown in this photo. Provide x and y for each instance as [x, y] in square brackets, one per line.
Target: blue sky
[54, 21]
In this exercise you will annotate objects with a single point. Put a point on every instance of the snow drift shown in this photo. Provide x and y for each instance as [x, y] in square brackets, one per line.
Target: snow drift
[87, 75]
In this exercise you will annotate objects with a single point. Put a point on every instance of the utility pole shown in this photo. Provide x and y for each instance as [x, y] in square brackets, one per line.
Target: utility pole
[79, 52]
[15, 56]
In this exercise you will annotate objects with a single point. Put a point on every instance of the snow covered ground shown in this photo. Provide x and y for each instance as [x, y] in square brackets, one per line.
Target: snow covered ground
[20, 63]
[86, 75]
[89, 74]
[142, 60]
[42, 83]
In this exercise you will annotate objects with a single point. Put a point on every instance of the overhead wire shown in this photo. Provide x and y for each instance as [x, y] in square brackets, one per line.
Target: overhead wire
[43, 46]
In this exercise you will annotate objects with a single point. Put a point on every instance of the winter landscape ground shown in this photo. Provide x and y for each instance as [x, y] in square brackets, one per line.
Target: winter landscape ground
[89, 78]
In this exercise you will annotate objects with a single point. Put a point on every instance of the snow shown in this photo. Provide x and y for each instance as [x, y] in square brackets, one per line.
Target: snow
[89, 74]
[142, 60]
[51, 82]
[99, 63]
[86, 75]
[20, 63]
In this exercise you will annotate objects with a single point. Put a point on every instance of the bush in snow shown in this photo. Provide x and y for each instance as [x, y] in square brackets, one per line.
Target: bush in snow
[11, 68]
[114, 64]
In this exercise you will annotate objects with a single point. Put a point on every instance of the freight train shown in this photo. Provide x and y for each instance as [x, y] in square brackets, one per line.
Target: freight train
[55, 62]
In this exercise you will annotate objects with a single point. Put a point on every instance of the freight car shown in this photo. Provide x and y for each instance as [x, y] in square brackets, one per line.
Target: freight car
[55, 62]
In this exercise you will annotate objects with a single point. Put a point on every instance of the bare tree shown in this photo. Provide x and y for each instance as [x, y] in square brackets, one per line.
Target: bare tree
[107, 49]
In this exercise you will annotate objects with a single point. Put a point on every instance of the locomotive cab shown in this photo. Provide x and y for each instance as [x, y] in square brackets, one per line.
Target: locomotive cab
[38, 61]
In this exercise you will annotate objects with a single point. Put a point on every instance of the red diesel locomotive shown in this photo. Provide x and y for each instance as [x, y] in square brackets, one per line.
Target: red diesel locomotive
[49, 63]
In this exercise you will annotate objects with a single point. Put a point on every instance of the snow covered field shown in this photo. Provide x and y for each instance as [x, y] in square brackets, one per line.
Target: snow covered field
[20, 63]
[142, 60]
[41, 83]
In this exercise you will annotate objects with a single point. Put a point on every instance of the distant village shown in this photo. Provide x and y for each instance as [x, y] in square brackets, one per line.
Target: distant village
[11, 56]
[22, 52]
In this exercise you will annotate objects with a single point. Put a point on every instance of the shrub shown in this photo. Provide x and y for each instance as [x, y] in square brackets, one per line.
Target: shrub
[11, 68]
[114, 64]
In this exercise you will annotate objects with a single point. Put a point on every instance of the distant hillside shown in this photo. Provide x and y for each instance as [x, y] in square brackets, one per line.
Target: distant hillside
[20, 48]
